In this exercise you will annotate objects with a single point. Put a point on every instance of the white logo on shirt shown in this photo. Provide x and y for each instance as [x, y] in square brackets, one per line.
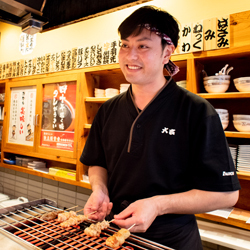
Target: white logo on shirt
[168, 131]
[224, 173]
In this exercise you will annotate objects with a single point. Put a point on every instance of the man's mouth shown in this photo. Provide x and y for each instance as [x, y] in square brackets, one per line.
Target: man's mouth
[133, 67]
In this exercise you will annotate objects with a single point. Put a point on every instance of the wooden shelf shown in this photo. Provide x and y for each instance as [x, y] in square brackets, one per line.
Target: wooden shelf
[41, 156]
[49, 176]
[243, 175]
[237, 218]
[237, 134]
[96, 99]
[224, 95]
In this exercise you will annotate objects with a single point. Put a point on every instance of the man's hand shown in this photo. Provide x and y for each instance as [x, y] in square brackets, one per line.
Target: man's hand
[141, 213]
[98, 205]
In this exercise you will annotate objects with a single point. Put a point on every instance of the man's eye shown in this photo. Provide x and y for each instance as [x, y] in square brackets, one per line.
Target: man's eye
[124, 46]
[143, 47]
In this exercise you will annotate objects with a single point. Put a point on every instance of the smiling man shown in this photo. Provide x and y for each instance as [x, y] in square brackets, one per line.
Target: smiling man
[159, 150]
[142, 61]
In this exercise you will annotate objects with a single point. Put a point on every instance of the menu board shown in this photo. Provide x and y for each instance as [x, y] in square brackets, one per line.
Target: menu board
[58, 118]
[22, 112]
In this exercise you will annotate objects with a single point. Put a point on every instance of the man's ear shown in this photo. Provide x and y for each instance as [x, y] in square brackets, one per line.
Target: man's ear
[167, 52]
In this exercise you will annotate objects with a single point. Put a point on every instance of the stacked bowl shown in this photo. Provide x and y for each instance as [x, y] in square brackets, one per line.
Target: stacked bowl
[242, 123]
[124, 87]
[182, 84]
[242, 84]
[110, 92]
[217, 83]
[99, 92]
[243, 158]
[224, 117]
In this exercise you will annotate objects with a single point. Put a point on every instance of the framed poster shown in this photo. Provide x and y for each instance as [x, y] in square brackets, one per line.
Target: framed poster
[22, 112]
[58, 117]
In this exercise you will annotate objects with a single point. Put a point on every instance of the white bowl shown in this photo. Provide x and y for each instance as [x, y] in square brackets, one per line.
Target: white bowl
[242, 84]
[223, 114]
[222, 111]
[224, 117]
[125, 85]
[241, 117]
[243, 87]
[242, 125]
[110, 92]
[242, 80]
[225, 124]
[182, 84]
[216, 84]
[123, 89]
[221, 88]
[99, 95]
[99, 92]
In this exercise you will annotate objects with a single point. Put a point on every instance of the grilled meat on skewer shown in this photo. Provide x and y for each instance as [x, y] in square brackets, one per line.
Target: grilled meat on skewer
[65, 216]
[91, 232]
[74, 220]
[50, 215]
[54, 214]
[117, 239]
[95, 229]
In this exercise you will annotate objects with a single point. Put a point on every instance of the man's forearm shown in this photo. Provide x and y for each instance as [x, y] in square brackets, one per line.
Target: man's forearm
[98, 178]
[194, 202]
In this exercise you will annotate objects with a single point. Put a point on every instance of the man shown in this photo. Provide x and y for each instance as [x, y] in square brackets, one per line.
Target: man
[157, 152]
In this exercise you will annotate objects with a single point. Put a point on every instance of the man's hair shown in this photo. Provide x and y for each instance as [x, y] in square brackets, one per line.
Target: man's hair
[153, 16]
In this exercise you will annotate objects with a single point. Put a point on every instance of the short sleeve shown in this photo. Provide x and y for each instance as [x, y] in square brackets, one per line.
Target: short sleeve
[93, 152]
[213, 168]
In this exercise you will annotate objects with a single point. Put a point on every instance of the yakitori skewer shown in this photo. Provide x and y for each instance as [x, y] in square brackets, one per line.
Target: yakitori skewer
[117, 239]
[67, 215]
[95, 230]
[75, 220]
[54, 214]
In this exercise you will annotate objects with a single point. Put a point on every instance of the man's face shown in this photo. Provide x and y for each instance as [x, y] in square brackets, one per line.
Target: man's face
[141, 58]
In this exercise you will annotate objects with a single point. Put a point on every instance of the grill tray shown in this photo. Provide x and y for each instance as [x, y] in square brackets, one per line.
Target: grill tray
[21, 223]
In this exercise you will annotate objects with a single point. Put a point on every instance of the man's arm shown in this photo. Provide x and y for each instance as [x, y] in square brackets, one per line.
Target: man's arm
[143, 212]
[98, 178]
[195, 201]
[98, 201]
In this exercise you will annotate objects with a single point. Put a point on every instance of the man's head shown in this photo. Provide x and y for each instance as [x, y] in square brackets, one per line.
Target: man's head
[155, 18]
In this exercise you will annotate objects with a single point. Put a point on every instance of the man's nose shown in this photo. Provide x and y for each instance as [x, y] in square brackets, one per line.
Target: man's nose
[132, 53]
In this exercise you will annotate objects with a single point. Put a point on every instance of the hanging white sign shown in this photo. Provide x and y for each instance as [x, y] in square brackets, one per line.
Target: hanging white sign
[27, 43]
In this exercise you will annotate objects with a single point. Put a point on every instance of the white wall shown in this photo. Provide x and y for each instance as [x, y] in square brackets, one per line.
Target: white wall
[104, 28]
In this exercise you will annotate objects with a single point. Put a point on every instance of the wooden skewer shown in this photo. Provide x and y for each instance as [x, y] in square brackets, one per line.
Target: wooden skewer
[79, 210]
[87, 214]
[92, 213]
[131, 227]
[70, 208]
